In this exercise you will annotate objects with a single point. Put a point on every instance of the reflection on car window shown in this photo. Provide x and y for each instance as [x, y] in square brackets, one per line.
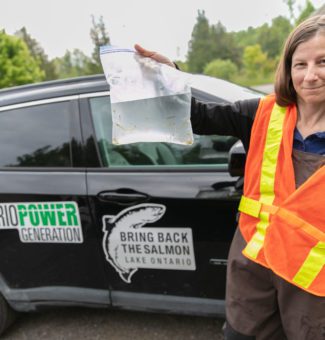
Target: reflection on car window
[206, 150]
[36, 136]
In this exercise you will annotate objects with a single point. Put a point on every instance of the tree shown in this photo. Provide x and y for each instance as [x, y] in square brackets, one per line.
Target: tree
[38, 53]
[200, 48]
[73, 64]
[223, 45]
[17, 65]
[290, 4]
[272, 39]
[306, 12]
[99, 37]
[254, 60]
[224, 69]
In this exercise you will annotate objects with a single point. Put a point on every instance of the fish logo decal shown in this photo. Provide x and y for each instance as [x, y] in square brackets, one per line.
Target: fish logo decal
[127, 220]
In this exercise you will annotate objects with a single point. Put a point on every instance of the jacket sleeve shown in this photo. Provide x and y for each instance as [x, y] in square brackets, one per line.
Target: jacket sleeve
[224, 119]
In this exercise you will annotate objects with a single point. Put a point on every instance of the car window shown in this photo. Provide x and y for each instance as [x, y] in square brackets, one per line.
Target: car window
[205, 151]
[36, 136]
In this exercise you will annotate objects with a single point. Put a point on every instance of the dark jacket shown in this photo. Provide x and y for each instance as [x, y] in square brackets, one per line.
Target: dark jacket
[224, 119]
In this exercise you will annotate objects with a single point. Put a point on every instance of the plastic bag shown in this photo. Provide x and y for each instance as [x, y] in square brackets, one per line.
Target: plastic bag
[150, 101]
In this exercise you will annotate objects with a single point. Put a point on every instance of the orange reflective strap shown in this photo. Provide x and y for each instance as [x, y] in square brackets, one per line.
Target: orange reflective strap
[272, 209]
[298, 222]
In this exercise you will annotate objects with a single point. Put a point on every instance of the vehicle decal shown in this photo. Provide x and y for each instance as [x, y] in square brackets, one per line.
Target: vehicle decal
[128, 246]
[43, 222]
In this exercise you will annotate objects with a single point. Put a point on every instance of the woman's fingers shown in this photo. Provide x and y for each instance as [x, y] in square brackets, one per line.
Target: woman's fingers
[143, 51]
[154, 55]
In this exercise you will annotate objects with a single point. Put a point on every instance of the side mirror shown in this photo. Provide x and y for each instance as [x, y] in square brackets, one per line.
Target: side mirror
[237, 160]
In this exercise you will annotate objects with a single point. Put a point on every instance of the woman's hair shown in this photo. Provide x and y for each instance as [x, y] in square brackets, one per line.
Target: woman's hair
[284, 91]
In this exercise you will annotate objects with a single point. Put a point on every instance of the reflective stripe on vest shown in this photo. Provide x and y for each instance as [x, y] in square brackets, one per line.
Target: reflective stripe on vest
[271, 150]
[312, 266]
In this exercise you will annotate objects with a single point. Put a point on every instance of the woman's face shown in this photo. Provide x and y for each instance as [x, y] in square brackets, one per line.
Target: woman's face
[308, 70]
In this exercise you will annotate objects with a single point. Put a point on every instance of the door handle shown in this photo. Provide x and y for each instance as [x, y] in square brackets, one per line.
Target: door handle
[123, 196]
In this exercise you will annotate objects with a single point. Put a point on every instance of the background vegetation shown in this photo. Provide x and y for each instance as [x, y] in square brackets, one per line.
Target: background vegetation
[246, 57]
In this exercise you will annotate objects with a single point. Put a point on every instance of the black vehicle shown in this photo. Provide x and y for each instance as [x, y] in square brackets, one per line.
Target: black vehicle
[144, 226]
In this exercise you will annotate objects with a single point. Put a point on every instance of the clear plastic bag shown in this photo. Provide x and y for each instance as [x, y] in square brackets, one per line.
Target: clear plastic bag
[150, 101]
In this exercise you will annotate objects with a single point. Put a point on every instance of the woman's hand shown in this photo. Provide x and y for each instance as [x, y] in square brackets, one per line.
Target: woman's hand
[154, 55]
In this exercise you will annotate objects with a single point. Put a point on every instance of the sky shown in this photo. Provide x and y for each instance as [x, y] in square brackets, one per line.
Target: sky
[164, 26]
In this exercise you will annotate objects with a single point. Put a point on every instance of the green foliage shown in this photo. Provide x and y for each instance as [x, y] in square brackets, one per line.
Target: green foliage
[38, 53]
[75, 63]
[246, 37]
[17, 65]
[224, 69]
[255, 52]
[258, 68]
[254, 60]
[209, 43]
[72, 64]
[200, 51]
[272, 38]
[308, 10]
[223, 45]
[291, 4]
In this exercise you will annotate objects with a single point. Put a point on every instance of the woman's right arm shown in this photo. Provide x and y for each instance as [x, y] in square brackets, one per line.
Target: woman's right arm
[224, 119]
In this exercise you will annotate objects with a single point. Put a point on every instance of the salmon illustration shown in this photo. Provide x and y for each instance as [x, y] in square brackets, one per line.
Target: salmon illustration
[127, 220]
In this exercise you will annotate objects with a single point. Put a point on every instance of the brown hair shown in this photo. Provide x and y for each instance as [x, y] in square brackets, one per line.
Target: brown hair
[284, 91]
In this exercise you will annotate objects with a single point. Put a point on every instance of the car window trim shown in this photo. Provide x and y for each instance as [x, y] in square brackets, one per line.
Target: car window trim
[94, 94]
[38, 102]
[38, 169]
[143, 169]
[87, 124]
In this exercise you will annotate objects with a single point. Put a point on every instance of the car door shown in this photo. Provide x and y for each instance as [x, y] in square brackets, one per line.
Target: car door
[167, 214]
[49, 248]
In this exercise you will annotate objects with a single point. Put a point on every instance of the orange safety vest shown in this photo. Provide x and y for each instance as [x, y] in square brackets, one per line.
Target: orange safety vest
[284, 228]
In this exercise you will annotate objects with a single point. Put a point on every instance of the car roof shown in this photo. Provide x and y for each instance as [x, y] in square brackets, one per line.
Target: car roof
[222, 89]
[203, 87]
[52, 89]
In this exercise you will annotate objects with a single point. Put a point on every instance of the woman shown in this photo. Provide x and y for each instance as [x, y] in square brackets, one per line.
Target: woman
[276, 274]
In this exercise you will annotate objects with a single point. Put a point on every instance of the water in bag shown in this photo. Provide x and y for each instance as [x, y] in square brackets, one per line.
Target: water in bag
[150, 102]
